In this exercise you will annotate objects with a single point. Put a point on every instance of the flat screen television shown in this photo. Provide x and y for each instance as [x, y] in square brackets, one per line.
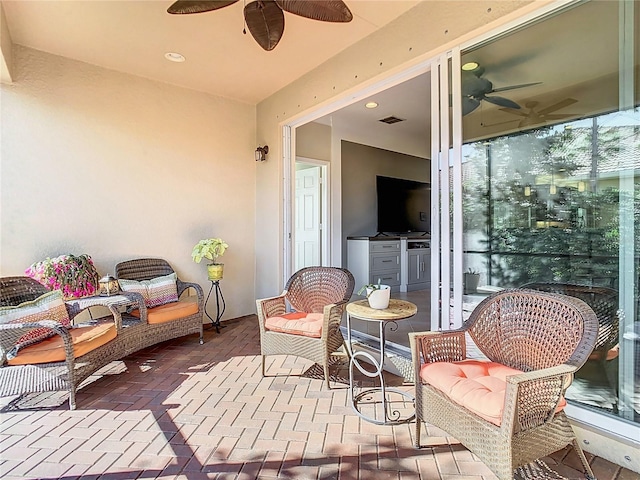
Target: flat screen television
[403, 205]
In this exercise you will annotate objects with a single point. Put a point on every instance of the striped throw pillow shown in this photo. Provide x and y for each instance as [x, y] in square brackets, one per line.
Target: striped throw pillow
[49, 306]
[157, 291]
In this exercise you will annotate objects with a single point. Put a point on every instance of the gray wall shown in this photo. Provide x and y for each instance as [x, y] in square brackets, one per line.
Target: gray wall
[360, 165]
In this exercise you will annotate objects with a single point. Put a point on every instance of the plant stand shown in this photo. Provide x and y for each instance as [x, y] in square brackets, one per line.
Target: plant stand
[219, 300]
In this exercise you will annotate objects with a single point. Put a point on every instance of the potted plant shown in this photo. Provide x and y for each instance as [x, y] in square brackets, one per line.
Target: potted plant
[75, 275]
[210, 248]
[378, 295]
[471, 280]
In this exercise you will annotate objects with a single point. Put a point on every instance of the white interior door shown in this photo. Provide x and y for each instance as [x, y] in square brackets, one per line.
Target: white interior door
[308, 189]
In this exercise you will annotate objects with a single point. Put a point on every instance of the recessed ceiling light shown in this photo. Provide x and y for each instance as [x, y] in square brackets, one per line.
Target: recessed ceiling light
[174, 57]
[467, 67]
[371, 104]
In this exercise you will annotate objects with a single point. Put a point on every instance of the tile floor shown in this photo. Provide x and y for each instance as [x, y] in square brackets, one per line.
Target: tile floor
[181, 410]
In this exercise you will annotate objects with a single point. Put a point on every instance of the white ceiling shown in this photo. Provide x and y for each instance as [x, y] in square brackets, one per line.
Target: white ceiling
[133, 36]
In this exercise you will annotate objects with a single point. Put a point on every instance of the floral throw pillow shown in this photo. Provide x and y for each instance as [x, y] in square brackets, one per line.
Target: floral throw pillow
[75, 275]
[49, 306]
[157, 291]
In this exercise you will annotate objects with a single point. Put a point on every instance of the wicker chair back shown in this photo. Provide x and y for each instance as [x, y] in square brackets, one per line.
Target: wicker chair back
[531, 330]
[313, 288]
[603, 301]
[16, 290]
[143, 269]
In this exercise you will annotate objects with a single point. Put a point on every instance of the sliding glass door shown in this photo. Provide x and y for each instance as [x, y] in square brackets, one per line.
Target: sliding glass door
[551, 178]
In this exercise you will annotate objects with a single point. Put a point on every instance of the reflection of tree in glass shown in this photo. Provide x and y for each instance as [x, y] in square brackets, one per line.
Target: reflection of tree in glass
[542, 226]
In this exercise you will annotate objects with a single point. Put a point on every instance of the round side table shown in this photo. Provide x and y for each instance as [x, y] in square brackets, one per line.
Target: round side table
[376, 396]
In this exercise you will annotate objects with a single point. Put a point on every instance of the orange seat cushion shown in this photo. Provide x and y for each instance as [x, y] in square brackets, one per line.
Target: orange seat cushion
[297, 323]
[85, 339]
[169, 311]
[477, 385]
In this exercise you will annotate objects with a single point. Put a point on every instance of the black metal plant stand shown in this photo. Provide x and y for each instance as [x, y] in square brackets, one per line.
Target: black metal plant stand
[219, 300]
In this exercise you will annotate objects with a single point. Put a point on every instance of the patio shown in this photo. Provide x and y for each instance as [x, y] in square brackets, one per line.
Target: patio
[180, 410]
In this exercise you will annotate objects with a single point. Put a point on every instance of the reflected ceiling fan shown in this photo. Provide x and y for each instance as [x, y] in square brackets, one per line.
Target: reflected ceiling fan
[534, 117]
[476, 88]
[265, 18]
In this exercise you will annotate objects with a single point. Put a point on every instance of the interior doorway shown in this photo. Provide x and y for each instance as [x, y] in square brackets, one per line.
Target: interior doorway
[310, 246]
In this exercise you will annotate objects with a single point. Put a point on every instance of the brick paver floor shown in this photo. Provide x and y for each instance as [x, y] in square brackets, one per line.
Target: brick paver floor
[181, 410]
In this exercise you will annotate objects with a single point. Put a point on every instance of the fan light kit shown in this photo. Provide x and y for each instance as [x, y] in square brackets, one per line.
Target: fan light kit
[174, 57]
[265, 18]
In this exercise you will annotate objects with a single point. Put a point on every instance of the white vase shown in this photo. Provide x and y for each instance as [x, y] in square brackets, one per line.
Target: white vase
[379, 298]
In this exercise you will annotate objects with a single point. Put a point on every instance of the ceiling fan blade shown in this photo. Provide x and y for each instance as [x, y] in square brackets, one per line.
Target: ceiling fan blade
[559, 116]
[194, 6]
[469, 105]
[557, 106]
[503, 102]
[323, 10]
[265, 21]
[514, 112]
[513, 87]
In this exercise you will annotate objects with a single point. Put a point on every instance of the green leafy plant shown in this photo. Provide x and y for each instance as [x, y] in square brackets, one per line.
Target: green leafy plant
[371, 287]
[210, 248]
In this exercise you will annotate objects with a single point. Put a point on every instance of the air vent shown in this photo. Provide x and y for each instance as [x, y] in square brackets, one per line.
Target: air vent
[392, 119]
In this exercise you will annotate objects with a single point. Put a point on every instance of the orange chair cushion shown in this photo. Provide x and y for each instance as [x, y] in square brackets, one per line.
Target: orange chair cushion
[169, 311]
[85, 339]
[297, 323]
[477, 385]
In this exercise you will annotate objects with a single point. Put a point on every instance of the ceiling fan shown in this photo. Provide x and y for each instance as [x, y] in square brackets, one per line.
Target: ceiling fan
[476, 88]
[533, 116]
[265, 18]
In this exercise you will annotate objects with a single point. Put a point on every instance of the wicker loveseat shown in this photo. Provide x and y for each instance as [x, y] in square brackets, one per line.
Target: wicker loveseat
[165, 321]
[60, 362]
[74, 352]
[507, 411]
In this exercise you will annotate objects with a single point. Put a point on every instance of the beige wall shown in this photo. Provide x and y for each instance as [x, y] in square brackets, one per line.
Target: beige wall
[360, 165]
[415, 36]
[313, 140]
[117, 166]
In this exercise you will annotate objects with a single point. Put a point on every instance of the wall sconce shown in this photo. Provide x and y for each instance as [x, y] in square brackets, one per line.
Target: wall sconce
[581, 186]
[261, 153]
[527, 191]
[108, 286]
[552, 189]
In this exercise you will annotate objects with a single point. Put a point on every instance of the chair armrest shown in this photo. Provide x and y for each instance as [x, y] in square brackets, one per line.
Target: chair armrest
[11, 332]
[332, 318]
[270, 307]
[532, 398]
[183, 286]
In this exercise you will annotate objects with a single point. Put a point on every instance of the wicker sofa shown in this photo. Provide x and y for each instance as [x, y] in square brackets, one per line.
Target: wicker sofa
[63, 361]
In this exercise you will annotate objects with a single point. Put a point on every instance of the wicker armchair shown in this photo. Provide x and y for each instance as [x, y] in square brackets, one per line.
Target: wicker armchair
[602, 300]
[147, 269]
[318, 290]
[545, 336]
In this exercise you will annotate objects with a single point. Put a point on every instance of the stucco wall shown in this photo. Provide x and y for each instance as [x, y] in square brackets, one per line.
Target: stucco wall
[117, 166]
[414, 37]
